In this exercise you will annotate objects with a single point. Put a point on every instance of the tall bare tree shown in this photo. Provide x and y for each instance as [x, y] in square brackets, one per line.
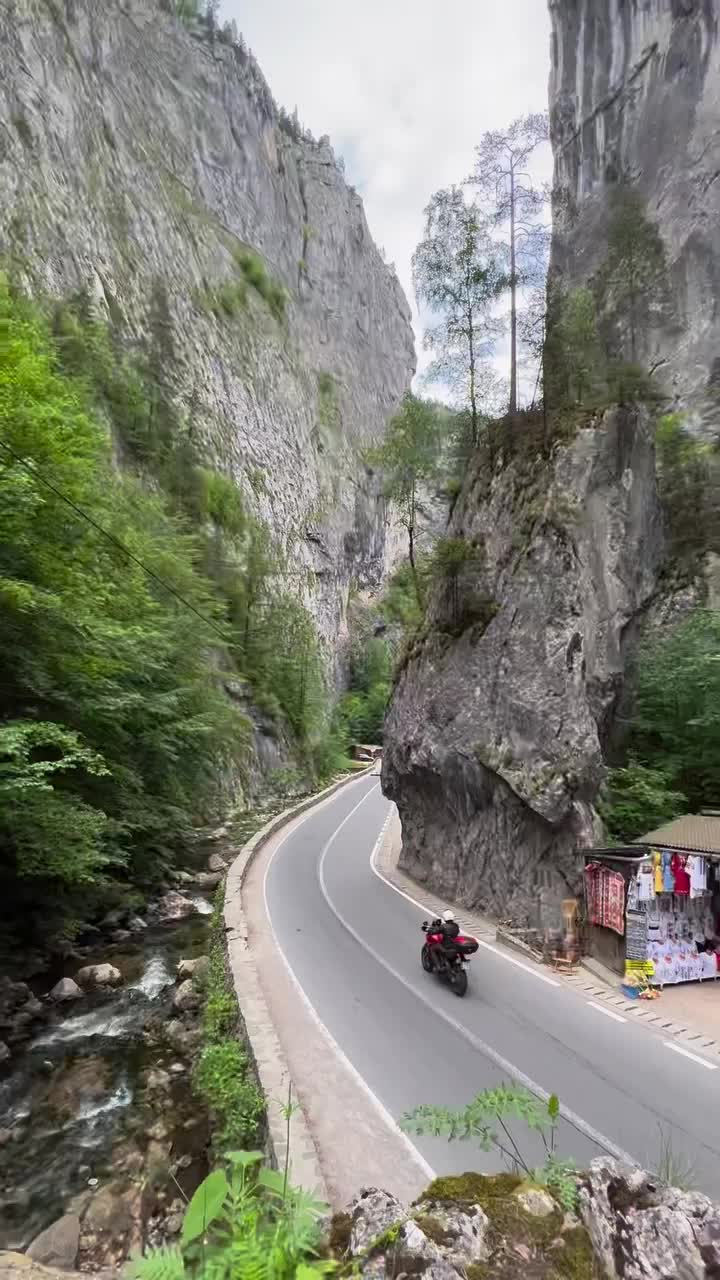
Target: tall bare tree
[459, 275]
[515, 205]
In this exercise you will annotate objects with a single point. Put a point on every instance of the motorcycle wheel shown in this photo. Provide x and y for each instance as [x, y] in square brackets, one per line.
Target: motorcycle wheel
[427, 963]
[458, 981]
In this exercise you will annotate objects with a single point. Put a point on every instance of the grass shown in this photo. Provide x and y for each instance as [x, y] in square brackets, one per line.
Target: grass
[224, 1076]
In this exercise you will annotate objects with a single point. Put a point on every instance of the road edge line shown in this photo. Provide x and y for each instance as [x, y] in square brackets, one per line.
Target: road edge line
[270, 1062]
[327, 1035]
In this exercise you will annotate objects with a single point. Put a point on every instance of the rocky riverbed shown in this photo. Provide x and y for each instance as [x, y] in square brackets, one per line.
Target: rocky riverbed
[101, 1135]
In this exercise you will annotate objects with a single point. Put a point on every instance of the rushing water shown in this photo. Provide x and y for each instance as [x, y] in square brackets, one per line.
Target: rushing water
[73, 1092]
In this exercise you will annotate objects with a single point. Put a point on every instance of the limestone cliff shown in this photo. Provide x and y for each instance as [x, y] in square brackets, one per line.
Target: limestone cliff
[140, 159]
[635, 96]
[506, 699]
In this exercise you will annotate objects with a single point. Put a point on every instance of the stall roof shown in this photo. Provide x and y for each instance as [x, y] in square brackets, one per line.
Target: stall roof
[692, 833]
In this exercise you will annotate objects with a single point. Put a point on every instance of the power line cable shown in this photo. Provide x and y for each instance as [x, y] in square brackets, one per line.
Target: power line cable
[33, 470]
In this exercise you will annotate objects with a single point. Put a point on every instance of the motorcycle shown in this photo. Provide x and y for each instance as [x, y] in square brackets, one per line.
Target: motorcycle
[449, 963]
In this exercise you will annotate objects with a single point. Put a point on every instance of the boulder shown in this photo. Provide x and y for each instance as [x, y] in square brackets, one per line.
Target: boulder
[196, 968]
[136, 924]
[172, 906]
[120, 935]
[216, 863]
[186, 997]
[4, 1052]
[64, 990]
[57, 1245]
[85, 1080]
[639, 1228]
[99, 975]
[208, 879]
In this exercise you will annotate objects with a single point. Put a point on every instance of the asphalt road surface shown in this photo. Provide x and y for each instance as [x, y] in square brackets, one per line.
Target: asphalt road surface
[353, 943]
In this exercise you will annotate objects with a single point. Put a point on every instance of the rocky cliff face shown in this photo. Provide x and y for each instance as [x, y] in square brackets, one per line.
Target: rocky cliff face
[507, 697]
[635, 96]
[139, 159]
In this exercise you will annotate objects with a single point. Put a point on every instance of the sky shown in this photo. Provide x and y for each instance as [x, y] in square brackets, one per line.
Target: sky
[404, 88]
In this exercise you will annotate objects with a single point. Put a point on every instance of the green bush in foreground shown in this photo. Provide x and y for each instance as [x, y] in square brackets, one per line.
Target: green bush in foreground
[246, 1222]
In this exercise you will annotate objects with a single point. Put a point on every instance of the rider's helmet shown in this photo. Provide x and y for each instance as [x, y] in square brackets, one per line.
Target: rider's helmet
[448, 916]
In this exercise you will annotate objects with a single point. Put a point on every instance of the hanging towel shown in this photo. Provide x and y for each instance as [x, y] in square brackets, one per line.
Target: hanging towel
[668, 878]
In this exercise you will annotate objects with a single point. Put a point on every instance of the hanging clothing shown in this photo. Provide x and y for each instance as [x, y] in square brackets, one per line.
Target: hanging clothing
[698, 877]
[646, 884]
[614, 901]
[668, 878]
[592, 893]
[632, 893]
[657, 864]
[680, 875]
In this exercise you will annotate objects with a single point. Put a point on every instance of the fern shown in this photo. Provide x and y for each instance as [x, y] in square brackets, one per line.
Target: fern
[165, 1263]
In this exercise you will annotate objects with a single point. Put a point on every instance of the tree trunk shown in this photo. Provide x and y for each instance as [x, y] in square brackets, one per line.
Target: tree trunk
[513, 300]
[473, 395]
[411, 548]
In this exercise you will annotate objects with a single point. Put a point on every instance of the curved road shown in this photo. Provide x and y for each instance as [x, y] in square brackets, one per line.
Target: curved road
[352, 942]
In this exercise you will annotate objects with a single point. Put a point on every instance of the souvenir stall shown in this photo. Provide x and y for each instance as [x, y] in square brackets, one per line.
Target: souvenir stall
[653, 910]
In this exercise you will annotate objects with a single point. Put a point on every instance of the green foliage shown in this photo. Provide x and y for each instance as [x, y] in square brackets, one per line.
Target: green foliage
[408, 458]
[637, 798]
[243, 1221]
[577, 354]
[676, 717]
[633, 278]
[112, 720]
[223, 1075]
[487, 1120]
[689, 488]
[254, 272]
[457, 272]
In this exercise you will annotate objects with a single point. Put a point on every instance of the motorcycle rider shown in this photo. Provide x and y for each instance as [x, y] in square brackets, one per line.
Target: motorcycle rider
[448, 926]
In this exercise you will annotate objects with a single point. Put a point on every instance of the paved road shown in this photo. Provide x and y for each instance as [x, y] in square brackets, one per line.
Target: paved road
[353, 943]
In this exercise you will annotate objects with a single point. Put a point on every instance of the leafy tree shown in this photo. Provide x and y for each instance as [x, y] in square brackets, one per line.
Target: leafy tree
[409, 458]
[674, 739]
[516, 205]
[638, 798]
[577, 334]
[113, 730]
[458, 273]
[633, 278]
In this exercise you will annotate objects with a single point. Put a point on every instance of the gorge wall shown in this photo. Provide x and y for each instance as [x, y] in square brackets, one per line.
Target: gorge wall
[138, 159]
[635, 97]
[501, 711]
[510, 697]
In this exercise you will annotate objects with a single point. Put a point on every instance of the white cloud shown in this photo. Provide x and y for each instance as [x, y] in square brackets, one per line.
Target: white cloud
[404, 88]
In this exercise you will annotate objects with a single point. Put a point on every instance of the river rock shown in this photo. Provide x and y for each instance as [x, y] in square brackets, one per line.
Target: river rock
[121, 935]
[99, 975]
[136, 924]
[216, 863]
[208, 879]
[173, 906]
[186, 997]
[4, 1052]
[85, 1080]
[181, 1036]
[64, 990]
[57, 1245]
[196, 968]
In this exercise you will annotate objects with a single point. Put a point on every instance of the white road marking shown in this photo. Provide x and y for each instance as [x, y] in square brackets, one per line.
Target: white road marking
[608, 1012]
[430, 911]
[711, 1066]
[486, 1050]
[381, 1109]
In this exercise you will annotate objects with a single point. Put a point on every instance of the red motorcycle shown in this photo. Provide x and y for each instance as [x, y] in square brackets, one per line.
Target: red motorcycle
[447, 958]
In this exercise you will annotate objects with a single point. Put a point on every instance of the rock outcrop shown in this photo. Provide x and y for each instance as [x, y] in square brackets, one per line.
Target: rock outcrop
[497, 1228]
[506, 698]
[634, 97]
[139, 159]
